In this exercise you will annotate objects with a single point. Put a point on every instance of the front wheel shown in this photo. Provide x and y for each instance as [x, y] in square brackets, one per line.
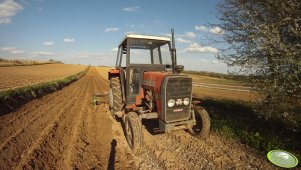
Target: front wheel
[133, 131]
[202, 127]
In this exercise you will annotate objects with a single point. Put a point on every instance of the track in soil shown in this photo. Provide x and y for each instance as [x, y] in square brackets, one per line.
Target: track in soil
[63, 130]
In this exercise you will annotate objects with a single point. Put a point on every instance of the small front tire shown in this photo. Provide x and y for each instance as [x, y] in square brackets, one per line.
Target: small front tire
[202, 127]
[133, 131]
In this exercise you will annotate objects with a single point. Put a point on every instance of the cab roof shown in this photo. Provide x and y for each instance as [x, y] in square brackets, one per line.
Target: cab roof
[147, 37]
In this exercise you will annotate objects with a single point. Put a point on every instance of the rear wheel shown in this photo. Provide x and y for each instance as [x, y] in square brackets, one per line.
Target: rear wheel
[115, 96]
[133, 131]
[202, 127]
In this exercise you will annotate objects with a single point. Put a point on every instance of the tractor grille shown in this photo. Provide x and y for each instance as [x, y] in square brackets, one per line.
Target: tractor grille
[177, 88]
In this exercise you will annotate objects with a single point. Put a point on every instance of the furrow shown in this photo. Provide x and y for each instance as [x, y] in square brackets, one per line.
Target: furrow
[12, 118]
[66, 158]
[21, 129]
[88, 143]
[49, 146]
[22, 144]
[10, 132]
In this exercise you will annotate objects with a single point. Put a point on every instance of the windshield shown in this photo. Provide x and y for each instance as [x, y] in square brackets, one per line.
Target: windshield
[149, 52]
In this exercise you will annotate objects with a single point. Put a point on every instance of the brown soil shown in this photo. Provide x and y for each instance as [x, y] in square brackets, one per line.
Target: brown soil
[63, 130]
[225, 94]
[180, 150]
[213, 80]
[233, 90]
[19, 76]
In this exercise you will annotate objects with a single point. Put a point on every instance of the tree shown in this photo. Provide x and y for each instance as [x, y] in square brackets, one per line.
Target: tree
[264, 39]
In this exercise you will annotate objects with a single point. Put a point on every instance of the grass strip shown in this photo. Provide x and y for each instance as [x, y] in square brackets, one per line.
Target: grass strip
[20, 62]
[12, 99]
[30, 64]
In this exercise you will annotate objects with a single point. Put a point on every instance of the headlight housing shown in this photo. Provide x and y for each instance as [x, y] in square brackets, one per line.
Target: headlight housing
[186, 101]
[171, 103]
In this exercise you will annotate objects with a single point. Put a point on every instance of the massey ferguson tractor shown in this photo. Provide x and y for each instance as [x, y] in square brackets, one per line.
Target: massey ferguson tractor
[146, 84]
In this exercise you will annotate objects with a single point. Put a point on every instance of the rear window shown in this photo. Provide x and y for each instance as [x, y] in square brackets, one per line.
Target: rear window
[144, 51]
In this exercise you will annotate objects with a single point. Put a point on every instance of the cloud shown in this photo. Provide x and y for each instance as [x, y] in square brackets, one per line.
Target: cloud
[43, 53]
[8, 48]
[88, 54]
[181, 40]
[113, 29]
[209, 61]
[48, 43]
[8, 9]
[166, 34]
[200, 28]
[213, 30]
[189, 35]
[69, 40]
[115, 49]
[12, 50]
[141, 26]
[202, 60]
[186, 35]
[196, 48]
[17, 52]
[217, 30]
[129, 32]
[132, 9]
[215, 62]
[130, 25]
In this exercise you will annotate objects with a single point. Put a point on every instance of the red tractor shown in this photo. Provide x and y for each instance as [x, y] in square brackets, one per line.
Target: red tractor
[146, 84]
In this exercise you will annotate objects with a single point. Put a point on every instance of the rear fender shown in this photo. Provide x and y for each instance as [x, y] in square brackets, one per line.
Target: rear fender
[113, 73]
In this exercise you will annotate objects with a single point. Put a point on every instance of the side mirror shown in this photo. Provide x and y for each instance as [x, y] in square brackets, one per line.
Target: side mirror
[179, 68]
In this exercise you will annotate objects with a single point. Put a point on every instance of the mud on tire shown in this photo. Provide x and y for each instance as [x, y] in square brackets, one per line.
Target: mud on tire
[133, 131]
[115, 95]
[202, 128]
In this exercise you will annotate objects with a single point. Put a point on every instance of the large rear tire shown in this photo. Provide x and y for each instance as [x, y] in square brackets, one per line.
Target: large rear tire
[115, 96]
[133, 131]
[202, 128]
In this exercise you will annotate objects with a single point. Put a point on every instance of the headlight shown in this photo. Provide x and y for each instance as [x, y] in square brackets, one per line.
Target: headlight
[171, 102]
[186, 101]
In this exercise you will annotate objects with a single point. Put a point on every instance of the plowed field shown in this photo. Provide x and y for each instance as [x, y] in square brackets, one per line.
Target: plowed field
[63, 130]
[19, 76]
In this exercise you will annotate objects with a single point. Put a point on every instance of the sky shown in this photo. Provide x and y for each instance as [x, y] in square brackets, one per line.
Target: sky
[88, 32]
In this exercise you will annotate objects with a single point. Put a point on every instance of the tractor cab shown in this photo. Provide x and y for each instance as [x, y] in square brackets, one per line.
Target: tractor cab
[138, 54]
[146, 84]
[145, 50]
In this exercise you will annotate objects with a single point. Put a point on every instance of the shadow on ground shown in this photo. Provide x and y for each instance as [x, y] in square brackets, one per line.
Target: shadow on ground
[111, 163]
